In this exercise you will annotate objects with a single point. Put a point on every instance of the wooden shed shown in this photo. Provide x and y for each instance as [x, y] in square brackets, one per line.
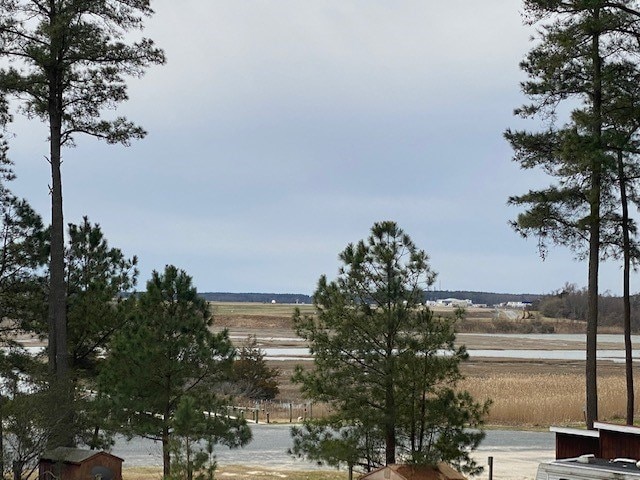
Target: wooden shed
[618, 441]
[77, 464]
[573, 442]
[441, 471]
[607, 441]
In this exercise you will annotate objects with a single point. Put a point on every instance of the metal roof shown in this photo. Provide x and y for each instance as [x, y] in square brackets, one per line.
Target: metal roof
[72, 455]
[617, 428]
[621, 466]
[575, 431]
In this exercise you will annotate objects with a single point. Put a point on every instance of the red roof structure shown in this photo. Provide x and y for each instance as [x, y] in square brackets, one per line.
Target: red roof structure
[441, 471]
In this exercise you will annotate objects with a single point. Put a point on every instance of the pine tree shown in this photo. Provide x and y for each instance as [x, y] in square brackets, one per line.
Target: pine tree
[386, 366]
[580, 43]
[69, 59]
[622, 129]
[251, 375]
[165, 353]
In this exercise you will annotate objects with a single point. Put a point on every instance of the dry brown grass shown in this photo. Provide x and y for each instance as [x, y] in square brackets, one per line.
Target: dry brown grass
[518, 399]
[546, 399]
[524, 393]
[234, 472]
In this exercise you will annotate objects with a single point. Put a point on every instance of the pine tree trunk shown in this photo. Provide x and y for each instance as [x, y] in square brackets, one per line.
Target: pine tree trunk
[390, 427]
[166, 456]
[626, 293]
[189, 463]
[594, 232]
[58, 359]
[592, 329]
[390, 399]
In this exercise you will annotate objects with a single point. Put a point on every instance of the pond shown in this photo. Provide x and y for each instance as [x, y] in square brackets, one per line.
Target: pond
[271, 442]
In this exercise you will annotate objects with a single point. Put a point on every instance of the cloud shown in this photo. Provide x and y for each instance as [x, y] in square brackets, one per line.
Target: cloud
[281, 130]
[238, 56]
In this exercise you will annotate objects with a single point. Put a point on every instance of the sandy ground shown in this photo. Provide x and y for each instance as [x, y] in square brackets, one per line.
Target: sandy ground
[519, 465]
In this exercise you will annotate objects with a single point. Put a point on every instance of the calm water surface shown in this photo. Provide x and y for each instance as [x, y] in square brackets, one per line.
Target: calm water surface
[270, 444]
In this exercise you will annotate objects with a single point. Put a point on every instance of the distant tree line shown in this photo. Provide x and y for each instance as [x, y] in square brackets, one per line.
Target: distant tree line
[256, 297]
[487, 298]
[571, 302]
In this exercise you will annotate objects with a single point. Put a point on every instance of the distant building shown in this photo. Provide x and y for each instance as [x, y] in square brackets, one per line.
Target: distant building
[454, 302]
[518, 305]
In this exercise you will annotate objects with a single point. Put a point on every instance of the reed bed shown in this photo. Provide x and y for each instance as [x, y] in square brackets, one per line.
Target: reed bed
[546, 399]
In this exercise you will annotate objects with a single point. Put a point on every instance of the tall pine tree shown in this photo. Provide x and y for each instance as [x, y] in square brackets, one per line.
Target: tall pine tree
[571, 66]
[387, 367]
[69, 59]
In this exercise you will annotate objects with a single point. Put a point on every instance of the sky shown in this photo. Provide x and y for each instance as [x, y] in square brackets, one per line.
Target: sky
[279, 131]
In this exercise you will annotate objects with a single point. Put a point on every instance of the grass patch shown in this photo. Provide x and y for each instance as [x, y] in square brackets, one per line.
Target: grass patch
[546, 399]
[237, 472]
[282, 310]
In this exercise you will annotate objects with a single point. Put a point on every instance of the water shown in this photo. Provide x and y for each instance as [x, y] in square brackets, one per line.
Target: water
[270, 443]
[267, 449]
[577, 353]
[303, 354]
[613, 355]
[563, 337]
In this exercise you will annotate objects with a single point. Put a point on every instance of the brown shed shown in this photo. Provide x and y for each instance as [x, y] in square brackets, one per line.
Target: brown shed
[573, 442]
[77, 464]
[618, 441]
[606, 441]
[441, 471]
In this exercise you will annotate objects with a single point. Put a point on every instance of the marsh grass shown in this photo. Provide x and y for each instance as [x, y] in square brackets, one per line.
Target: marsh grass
[546, 399]
[518, 399]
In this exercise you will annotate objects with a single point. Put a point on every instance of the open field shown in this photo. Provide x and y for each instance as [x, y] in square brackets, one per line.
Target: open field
[525, 393]
[259, 316]
[282, 310]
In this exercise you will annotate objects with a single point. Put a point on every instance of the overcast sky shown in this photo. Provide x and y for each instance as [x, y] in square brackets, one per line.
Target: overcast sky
[281, 130]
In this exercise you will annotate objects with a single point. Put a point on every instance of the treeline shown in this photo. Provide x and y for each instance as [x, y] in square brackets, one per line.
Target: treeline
[488, 298]
[571, 302]
[256, 297]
